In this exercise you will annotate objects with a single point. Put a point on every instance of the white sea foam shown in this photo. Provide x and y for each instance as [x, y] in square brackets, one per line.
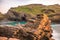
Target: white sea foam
[56, 32]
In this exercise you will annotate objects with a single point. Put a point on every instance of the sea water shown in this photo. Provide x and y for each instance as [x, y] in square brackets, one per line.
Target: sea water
[13, 23]
[56, 31]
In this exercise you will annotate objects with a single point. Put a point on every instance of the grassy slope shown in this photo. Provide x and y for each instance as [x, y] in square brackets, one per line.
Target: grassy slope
[30, 9]
[36, 9]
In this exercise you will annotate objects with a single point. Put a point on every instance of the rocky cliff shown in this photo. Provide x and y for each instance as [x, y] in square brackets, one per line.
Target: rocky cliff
[18, 16]
[29, 11]
[55, 18]
[1, 16]
[35, 29]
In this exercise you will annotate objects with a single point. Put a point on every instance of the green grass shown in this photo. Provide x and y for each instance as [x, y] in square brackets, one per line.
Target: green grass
[37, 9]
[25, 9]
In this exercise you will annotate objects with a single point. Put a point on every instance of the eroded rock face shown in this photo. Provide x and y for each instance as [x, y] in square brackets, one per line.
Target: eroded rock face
[55, 18]
[16, 16]
[36, 29]
[1, 16]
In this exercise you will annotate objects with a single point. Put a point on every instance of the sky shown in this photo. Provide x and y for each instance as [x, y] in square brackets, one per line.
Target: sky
[5, 5]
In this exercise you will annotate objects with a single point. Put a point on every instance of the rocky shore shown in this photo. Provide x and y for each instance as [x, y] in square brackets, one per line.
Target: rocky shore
[35, 29]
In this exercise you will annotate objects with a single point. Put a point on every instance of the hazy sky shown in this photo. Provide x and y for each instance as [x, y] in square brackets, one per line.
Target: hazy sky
[6, 4]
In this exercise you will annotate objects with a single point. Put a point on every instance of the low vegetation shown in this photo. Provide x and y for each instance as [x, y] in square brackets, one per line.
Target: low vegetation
[38, 8]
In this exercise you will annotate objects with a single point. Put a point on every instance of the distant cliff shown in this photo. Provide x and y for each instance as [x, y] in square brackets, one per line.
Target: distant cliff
[30, 11]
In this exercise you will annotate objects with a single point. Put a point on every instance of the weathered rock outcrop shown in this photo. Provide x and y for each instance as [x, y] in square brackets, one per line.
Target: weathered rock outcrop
[17, 16]
[35, 29]
[1, 16]
[55, 18]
